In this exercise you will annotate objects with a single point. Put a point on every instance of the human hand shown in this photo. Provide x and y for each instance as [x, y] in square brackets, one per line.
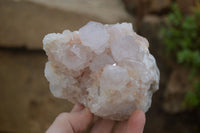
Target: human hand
[80, 118]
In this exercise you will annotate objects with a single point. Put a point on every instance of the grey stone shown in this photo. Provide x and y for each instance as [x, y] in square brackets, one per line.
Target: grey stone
[175, 92]
[25, 22]
[186, 6]
[159, 5]
[144, 7]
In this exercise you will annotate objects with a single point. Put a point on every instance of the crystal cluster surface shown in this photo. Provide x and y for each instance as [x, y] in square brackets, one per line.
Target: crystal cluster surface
[107, 68]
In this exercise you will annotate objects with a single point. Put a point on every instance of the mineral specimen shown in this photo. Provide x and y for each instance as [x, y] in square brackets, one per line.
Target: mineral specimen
[107, 68]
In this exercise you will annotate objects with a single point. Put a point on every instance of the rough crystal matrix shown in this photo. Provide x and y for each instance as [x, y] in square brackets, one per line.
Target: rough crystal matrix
[107, 68]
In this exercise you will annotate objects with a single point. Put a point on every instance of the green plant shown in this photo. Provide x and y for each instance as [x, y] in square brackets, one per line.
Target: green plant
[181, 36]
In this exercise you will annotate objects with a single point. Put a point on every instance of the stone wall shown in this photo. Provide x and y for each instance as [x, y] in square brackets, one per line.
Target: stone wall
[25, 22]
[26, 104]
[160, 7]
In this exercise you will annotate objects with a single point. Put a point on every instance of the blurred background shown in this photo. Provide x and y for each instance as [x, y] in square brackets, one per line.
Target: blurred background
[171, 26]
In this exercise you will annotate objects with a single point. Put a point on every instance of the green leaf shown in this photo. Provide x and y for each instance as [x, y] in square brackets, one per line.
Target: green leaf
[181, 36]
[191, 99]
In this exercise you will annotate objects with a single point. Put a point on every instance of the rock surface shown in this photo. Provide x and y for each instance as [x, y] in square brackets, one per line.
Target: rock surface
[159, 5]
[25, 22]
[24, 93]
[145, 7]
[176, 90]
[186, 6]
[111, 88]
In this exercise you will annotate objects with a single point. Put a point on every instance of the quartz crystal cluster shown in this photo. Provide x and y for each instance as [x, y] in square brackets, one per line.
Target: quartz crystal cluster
[107, 68]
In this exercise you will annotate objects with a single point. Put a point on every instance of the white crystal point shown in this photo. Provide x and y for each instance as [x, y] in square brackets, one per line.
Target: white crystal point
[107, 68]
[74, 57]
[113, 77]
[126, 48]
[58, 81]
[55, 38]
[100, 61]
[119, 30]
[95, 36]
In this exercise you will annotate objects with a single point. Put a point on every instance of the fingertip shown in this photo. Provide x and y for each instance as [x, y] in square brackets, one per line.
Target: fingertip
[139, 116]
[136, 122]
[87, 113]
[77, 107]
[76, 121]
[81, 120]
[60, 124]
[103, 126]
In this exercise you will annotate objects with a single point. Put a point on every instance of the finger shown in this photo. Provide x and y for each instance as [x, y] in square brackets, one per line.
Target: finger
[60, 125]
[121, 127]
[103, 126]
[80, 120]
[71, 122]
[136, 122]
[77, 108]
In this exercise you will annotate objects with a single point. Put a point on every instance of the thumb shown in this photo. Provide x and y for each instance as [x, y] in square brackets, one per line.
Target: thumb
[73, 122]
